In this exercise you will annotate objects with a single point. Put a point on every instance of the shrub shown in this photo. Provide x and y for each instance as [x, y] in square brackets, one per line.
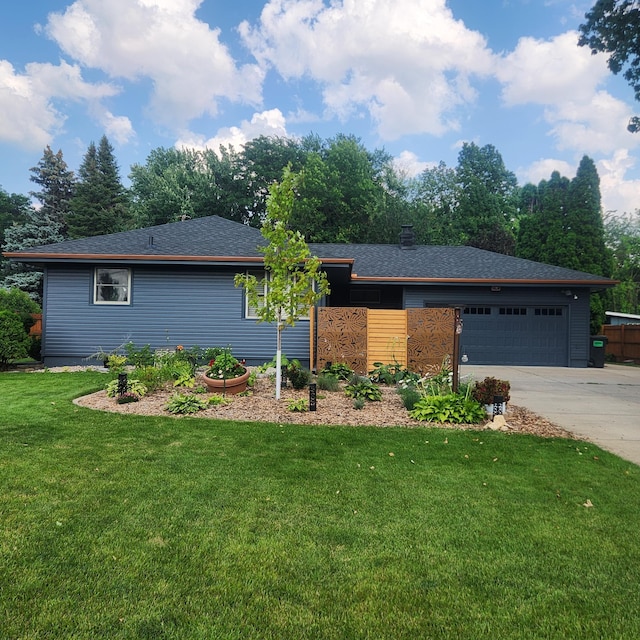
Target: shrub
[338, 369]
[216, 400]
[116, 363]
[150, 376]
[409, 396]
[360, 387]
[485, 390]
[453, 408]
[185, 404]
[14, 341]
[139, 357]
[327, 382]
[298, 375]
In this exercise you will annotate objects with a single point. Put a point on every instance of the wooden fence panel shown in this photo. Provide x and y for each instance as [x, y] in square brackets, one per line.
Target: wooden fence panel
[386, 337]
[623, 341]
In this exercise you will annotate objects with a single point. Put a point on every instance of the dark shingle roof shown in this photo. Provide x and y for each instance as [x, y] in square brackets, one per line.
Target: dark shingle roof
[215, 239]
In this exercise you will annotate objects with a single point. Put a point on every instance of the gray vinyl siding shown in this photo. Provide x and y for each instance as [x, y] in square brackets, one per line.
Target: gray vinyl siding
[170, 306]
[525, 345]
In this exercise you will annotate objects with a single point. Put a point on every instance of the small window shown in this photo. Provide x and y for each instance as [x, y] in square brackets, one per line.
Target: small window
[477, 311]
[548, 311]
[262, 288]
[261, 291]
[112, 286]
[513, 311]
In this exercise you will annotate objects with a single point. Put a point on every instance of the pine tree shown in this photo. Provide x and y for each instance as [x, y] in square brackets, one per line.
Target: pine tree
[99, 205]
[45, 225]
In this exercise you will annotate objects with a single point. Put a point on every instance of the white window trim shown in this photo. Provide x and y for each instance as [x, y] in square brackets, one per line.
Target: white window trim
[96, 300]
[249, 312]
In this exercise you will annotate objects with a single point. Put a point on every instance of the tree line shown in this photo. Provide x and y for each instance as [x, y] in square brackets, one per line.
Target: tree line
[345, 193]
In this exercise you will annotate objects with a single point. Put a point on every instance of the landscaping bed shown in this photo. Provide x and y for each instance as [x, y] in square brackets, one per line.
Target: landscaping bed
[333, 408]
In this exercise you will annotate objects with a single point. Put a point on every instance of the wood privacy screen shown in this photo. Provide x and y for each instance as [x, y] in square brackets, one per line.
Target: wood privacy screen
[419, 339]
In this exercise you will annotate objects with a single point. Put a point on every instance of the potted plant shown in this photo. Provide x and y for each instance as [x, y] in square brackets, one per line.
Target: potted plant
[226, 374]
[486, 391]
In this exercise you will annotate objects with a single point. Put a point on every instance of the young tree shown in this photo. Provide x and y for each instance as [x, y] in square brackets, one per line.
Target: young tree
[613, 27]
[622, 235]
[293, 280]
[99, 205]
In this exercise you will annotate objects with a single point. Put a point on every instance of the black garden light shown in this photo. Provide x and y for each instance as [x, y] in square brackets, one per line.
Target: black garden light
[123, 383]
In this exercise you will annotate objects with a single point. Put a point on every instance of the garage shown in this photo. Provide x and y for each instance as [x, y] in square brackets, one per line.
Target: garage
[515, 335]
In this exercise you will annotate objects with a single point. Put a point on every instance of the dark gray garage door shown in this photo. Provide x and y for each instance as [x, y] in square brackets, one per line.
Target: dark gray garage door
[515, 335]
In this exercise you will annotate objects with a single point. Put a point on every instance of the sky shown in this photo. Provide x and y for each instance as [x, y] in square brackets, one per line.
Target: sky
[417, 78]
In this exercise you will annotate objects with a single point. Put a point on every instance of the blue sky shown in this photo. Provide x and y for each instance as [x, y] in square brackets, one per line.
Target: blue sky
[415, 77]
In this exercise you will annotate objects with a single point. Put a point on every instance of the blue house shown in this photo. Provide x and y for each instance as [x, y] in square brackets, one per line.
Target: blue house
[173, 284]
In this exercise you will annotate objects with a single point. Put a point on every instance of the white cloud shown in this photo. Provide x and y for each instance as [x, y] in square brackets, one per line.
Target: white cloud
[405, 63]
[26, 118]
[160, 40]
[28, 115]
[267, 123]
[550, 71]
[408, 164]
[619, 193]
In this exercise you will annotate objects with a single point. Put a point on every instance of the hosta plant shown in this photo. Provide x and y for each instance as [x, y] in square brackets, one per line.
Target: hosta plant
[299, 406]
[182, 403]
[133, 386]
[360, 387]
[452, 407]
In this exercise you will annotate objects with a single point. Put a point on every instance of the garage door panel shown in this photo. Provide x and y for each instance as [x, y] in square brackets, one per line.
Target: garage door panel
[515, 335]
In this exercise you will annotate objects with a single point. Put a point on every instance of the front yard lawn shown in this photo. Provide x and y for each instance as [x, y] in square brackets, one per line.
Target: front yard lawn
[116, 526]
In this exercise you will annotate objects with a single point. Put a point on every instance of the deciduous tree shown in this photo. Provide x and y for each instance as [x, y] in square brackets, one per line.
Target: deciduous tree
[613, 27]
[293, 279]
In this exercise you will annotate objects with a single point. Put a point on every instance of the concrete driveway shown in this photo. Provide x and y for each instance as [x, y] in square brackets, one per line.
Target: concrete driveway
[601, 405]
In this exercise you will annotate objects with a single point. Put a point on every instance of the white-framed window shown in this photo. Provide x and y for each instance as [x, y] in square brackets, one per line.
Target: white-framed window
[111, 285]
[262, 288]
[261, 291]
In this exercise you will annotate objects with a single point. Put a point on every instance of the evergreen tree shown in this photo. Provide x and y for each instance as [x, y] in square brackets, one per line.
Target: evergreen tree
[57, 184]
[564, 227]
[14, 210]
[45, 225]
[99, 205]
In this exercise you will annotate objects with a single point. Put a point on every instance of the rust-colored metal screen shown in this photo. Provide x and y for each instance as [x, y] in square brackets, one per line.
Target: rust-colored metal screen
[342, 336]
[431, 339]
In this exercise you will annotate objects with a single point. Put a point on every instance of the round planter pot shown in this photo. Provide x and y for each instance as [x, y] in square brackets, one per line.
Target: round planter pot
[230, 385]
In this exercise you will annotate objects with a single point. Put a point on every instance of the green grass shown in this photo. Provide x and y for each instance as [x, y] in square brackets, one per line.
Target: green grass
[115, 526]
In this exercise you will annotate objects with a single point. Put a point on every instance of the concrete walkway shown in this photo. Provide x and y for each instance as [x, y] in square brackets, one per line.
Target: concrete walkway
[601, 405]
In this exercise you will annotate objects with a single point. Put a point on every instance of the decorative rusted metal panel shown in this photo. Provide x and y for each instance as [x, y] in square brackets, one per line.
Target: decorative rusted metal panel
[430, 344]
[342, 337]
